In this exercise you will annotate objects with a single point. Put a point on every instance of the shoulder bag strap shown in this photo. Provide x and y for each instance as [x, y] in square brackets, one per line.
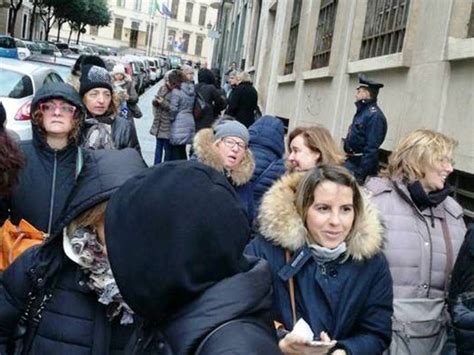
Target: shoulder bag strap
[79, 162]
[291, 285]
[449, 253]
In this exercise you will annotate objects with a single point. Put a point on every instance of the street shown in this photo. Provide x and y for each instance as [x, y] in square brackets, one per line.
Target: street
[147, 141]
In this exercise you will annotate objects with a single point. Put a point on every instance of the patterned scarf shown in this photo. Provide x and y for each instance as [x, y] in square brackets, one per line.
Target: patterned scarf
[90, 255]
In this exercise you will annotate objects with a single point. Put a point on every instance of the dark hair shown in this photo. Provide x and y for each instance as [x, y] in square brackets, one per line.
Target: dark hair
[175, 78]
[305, 193]
[11, 162]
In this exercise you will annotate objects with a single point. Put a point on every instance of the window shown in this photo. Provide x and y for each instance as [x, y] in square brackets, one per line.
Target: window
[93, 30]
[324, 33]
[384, 28]
[174, 8]
[138, 5]
[293, 36]
[184, 43]
[15, 85]
[199, 41]
[171, 43]
[189, 12]
[202, 15]
[121, 3]
[118, 28]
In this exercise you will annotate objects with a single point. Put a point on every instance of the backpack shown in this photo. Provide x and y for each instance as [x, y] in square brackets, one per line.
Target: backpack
[99, 136]
[200, 106]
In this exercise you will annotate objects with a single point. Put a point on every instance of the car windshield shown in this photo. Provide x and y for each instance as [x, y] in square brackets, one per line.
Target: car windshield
[14, 85]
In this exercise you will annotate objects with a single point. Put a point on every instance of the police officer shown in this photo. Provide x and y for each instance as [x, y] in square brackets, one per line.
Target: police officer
[367, 131]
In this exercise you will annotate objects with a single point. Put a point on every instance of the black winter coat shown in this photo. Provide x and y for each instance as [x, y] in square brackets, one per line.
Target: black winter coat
[124, 133]
[461, 296]
[242, 103]
[73, 321]
[45, 184]
[216, 104]
[244, 299]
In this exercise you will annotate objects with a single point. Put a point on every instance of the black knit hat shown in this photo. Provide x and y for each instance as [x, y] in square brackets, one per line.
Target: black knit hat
[186, 231]
[93, 76]
[3, 117]
[92, 60]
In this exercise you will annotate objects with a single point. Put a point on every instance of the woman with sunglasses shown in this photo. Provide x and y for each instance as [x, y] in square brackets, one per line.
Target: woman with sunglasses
[225, 148]
[52, 158]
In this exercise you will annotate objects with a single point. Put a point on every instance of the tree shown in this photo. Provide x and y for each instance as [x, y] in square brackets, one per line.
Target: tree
[14, 8]
[97, 15]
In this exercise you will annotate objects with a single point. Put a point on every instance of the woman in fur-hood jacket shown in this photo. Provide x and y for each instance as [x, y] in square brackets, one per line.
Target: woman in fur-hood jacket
[323, 242]
[225, 148]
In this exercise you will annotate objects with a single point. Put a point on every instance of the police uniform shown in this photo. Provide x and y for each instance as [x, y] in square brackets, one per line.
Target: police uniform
[366, 134]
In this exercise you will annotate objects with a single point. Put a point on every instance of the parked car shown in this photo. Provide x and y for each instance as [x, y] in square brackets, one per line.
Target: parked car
[49, 48]
[165, 66]
[23, 51]
[33, 47]
[137, 70]
[153, 68]
[20, 81]
[64, 48]
[175, 61]
[8, 47]
[62, 65]
[80, 49]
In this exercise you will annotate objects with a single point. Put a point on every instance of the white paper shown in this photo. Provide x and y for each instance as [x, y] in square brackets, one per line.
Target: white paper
[303, 330]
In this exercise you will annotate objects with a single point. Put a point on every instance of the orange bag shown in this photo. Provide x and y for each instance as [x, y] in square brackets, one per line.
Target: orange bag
[15, 240]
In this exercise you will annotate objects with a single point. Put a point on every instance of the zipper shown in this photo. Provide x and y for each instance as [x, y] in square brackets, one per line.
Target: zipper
[53, 192]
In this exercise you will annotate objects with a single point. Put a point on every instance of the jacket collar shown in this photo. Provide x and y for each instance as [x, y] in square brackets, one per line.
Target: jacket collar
[206, 153]
[281, 224]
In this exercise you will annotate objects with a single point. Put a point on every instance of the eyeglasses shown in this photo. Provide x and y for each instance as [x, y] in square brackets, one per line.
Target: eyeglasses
[232, 143]
[63, 108]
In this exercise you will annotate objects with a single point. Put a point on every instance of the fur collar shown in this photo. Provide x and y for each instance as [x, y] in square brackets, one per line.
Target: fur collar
[206, 153]
[281, 224]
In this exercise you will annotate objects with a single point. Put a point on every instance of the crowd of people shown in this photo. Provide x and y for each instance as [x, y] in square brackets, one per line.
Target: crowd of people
[245, 241]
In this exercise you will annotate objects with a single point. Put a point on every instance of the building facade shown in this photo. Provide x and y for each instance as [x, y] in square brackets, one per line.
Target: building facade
[136, 28]
[305, 55]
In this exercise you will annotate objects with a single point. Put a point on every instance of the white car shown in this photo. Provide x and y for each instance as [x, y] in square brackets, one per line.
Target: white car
[23, 51]
[20, 81]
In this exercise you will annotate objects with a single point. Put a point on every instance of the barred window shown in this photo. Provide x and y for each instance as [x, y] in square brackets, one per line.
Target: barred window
[384, 28]
[118, 28]
[293, 36]
[189, 12]
[138, 5]
[324, 33]
[470, 30]
[199, 41]
[202, 15]
[174, 8]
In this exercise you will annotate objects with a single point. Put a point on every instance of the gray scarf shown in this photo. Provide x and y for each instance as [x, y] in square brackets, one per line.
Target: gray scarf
[325, 255]
[84, 249]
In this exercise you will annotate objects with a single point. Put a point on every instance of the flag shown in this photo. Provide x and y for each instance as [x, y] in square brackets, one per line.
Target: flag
[162, 9]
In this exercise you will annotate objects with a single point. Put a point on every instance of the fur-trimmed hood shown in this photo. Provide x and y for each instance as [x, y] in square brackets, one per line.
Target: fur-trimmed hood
[206, 153]
[281, 224]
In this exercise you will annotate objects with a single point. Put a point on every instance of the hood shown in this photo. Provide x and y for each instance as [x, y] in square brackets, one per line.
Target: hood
[205, 152]
[181, 209]
[57, 91]
[102, 173]
[206, 76]
[281, 224]
[269, 132]
[247, 293]
[49, 91]
[188, 88]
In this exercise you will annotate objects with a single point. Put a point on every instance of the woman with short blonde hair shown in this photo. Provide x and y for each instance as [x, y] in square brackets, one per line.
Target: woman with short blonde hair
[424, 230]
